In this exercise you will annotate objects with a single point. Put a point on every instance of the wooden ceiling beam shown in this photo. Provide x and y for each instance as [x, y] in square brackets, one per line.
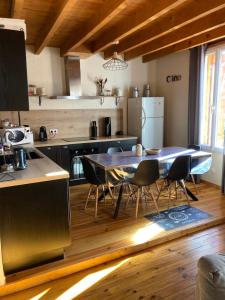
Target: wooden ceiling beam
[104, 15]
[180, 17]
[151, 10]
[16, 8]
[204, 38]
[53, 24]
[195, 28]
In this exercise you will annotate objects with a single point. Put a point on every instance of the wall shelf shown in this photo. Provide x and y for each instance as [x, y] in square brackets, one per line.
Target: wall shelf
[101, 98]
[82, 102]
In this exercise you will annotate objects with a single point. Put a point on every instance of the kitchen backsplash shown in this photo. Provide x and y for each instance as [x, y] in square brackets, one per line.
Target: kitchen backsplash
[70, 123]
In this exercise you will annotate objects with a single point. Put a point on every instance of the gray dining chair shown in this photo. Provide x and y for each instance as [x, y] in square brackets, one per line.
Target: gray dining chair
[146, 175]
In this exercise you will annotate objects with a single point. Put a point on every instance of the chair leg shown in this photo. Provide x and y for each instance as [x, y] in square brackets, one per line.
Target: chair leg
[96, 202]
[137, 202]
[195, 185]
[111, 194]
[132, 193]
[169, 195]
[88, 196]
[103, 191]
[185, 191]
[160, 191]
[157, 187]
[176, 192]
[154, 200]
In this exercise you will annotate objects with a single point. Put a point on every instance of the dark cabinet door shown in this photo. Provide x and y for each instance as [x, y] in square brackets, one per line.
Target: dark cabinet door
[51, 152]
[64, 158]
[13, 71]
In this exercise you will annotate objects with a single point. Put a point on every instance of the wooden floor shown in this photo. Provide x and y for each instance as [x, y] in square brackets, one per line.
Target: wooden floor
[97, 241]
[166, 271]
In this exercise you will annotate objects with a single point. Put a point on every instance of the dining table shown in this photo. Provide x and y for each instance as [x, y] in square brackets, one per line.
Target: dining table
[201, 161]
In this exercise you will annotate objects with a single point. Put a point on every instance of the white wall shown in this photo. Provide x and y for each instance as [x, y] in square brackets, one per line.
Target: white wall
[176, 96]
[176, 106]
[47, 70]
[215, 173]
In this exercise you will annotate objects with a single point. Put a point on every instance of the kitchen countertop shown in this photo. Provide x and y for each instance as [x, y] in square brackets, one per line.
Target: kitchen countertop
[61, 142]
[38, 170]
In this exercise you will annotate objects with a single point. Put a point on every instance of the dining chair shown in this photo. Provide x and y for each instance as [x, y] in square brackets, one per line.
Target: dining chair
[96, 182]
[194, 163]
[179, 171]
[120, 173]
[113, 150]
[147, 173]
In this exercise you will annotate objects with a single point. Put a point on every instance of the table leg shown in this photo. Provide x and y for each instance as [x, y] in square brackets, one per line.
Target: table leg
[118, 202]
[190, 194]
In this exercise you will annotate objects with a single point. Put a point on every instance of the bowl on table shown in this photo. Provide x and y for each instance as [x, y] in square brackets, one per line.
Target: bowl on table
[153, 151]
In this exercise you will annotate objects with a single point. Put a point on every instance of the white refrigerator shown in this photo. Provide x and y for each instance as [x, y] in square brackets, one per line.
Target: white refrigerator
[146, 120]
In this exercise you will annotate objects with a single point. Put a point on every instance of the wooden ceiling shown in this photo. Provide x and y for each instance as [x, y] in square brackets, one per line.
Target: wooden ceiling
[147, 28]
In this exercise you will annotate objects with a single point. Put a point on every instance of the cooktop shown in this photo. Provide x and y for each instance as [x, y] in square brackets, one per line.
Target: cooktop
[78, 139]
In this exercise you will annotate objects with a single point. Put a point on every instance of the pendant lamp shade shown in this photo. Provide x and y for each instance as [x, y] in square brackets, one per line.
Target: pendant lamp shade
[115, 63]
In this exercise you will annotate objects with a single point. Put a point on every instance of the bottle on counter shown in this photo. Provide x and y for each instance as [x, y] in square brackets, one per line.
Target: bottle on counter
[94, 130]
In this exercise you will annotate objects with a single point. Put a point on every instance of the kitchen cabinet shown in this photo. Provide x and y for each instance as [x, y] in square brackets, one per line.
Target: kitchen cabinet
[13, 71]
[51, 152]
[59, 154]
[67, 156]
[63, 157]
[34, 224]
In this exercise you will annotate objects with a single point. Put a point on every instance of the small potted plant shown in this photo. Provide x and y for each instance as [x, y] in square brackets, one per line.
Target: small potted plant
[100, 82]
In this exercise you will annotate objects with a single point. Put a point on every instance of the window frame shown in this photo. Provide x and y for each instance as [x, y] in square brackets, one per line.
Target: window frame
[218, 52]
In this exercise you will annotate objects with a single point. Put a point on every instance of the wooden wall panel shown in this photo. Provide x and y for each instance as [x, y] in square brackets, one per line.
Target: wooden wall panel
[70, 123]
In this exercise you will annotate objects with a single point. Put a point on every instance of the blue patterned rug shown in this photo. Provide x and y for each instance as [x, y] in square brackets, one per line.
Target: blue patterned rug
[178, 216]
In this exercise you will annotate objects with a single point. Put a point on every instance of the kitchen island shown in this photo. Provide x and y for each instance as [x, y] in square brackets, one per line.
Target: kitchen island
[34, 215]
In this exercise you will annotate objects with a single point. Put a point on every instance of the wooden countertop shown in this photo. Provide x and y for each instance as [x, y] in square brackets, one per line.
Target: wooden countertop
[38, 170]
[61, 142]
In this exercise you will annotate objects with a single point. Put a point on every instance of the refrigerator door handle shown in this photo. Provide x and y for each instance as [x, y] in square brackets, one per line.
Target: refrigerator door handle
[144, 118]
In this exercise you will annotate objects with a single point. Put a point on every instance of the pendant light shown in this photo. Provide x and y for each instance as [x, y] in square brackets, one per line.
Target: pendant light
[115, 63]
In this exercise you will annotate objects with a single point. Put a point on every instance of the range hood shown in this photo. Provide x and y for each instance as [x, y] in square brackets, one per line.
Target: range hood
[73, 80]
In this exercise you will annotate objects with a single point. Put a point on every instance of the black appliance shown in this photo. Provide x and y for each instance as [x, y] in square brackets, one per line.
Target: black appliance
[43, 134]
[107, 126]
[77, 173]
[94, 130]
[13, 71]
[20, 160]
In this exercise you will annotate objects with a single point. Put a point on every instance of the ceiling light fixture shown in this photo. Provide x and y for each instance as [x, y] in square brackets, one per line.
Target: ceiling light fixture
[115, 63]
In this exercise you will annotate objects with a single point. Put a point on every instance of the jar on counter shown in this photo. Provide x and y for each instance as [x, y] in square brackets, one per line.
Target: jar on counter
[135, 92]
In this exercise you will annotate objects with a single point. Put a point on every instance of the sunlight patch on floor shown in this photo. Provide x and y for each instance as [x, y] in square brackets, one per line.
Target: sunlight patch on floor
[39, 296]
[146, 233]
[87, 282]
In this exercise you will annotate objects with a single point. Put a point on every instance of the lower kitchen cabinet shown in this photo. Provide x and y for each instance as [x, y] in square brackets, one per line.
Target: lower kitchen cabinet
[51, 152]
[67, 156]
[59, 154]
[34, 224]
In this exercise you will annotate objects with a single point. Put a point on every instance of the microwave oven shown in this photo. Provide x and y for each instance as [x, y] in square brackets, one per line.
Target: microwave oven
[17, 135]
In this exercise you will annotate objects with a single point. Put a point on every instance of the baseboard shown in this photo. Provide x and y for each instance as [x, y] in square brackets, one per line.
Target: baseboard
[210, 183]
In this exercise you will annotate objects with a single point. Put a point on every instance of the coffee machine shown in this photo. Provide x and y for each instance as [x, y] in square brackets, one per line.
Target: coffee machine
[107, 126]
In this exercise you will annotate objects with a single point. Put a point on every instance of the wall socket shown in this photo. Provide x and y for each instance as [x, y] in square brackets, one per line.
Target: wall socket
[53, 131]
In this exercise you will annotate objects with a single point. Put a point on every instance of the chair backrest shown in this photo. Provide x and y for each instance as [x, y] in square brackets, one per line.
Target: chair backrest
[194, 147]
[180, 168]
[113, 150]
[147, 173]
[89, 172]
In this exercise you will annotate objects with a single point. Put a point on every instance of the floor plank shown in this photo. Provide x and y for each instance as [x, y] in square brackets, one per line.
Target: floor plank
[97, 241]
[166, 271]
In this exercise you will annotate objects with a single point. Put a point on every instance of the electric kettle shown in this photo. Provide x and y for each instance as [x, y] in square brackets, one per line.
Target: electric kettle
[43, 134]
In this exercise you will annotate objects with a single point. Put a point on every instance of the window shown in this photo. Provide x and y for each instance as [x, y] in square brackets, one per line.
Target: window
[213, 99]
